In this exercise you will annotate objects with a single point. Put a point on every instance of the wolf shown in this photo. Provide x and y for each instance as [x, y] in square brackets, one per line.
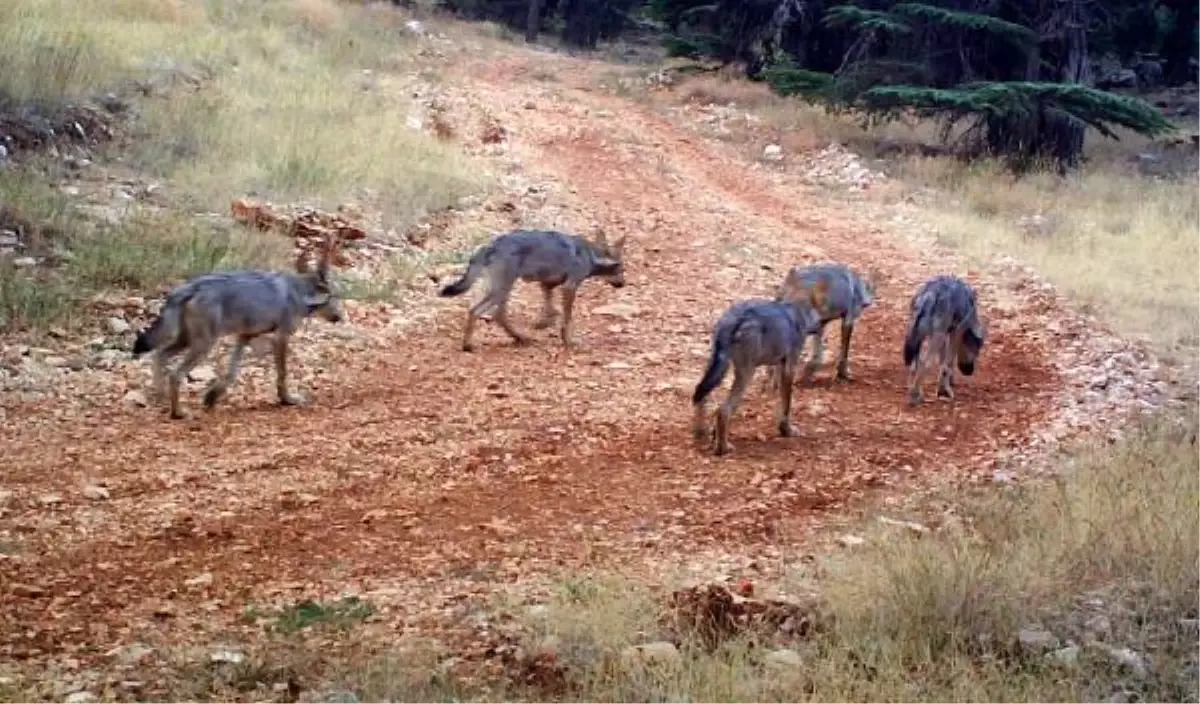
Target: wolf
[835, 292]
[552, 259]
[945, 310]
[751, 334]
[245, 304]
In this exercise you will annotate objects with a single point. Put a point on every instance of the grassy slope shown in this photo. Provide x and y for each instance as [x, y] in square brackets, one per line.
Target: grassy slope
[1109, 552]
[915, 619]
[243, 99]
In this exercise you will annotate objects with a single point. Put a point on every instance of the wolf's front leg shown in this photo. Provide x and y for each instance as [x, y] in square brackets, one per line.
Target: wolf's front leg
[568, 309]
[286, 398]
[787, 378]
[549, 314]
[843, 365]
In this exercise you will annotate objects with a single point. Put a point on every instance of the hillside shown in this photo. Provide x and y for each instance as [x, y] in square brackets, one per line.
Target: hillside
[428, 509]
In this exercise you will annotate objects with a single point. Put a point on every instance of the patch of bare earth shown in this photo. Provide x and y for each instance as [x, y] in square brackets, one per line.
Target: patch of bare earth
[424, 478]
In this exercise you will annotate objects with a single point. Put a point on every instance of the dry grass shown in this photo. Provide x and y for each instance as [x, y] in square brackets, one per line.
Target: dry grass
[290, 100]
[937, 617]
[1121, 244]
[145, 250]
[1115, 537]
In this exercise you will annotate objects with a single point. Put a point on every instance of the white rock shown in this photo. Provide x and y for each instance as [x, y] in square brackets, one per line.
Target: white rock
[783, 659]
[1037, 639]
[660, 652]
[135, 398]
[202, 374]
[200, 580]
[81, 697]
[1135, 661]
[773, 152]
[95, 493]
[850, 541]
[130, 654]
[1066, 656]
[117, 326]
[23, 262]
[227, 655]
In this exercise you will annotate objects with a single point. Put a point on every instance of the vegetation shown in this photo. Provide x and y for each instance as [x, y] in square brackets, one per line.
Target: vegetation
[216, 118]
[1020, 74]
[912, 617]
[1110, 541]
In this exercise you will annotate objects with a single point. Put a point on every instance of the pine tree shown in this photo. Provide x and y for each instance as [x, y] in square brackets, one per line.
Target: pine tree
[935, 62]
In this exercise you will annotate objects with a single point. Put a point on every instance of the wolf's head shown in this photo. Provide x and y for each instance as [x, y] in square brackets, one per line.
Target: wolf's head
[610, 263]
[318, 294]
[970, 344]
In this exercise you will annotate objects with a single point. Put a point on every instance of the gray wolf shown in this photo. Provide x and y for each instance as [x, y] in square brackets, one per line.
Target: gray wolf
[748, 335]
[835, 292]
[550, 258]
[944, 310]
[245, 304]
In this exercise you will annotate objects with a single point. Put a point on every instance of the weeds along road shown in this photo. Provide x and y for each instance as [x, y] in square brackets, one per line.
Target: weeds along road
[420, 472]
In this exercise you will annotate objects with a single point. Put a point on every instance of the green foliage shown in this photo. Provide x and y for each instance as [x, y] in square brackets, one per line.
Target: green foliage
[1026, 123]
[788, 80]
[340, 614]
[692, 46]
[1021, 101]
[973, 21]
[850, 16]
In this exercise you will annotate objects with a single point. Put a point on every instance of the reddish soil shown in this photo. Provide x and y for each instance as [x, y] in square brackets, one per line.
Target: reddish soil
[418, 468]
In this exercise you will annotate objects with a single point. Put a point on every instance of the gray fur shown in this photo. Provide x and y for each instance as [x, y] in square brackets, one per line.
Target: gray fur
[246, 304]
[843, 295]
[945, 311]
[552, 259]
[752, 334]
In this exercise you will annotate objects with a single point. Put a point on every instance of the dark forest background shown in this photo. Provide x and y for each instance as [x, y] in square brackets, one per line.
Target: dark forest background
[1017, 79]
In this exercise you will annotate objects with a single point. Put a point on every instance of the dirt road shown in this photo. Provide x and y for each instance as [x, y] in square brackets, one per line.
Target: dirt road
[419, 470]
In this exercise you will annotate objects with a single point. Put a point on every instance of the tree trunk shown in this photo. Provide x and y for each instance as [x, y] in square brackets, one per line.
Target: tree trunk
[1179, 46]
[533, 21]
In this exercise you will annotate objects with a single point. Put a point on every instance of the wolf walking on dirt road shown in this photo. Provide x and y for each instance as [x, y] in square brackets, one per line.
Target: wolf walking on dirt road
[752, 334]
[835, 292]
[552, 259]
[246, 304]
[945, 311]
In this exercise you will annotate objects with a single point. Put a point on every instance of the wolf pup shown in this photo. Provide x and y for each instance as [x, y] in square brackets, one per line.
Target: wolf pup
[550, 258]
[834, 292]
[752, 334]
[944, 310]
[245, 304]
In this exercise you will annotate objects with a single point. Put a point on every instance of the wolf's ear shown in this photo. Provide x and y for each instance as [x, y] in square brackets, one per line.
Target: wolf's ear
[327, 250]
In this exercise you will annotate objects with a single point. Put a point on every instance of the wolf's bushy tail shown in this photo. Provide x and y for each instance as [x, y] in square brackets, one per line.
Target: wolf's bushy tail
[162, 331]
[914, 336]
[718, 362]
[464, 283]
